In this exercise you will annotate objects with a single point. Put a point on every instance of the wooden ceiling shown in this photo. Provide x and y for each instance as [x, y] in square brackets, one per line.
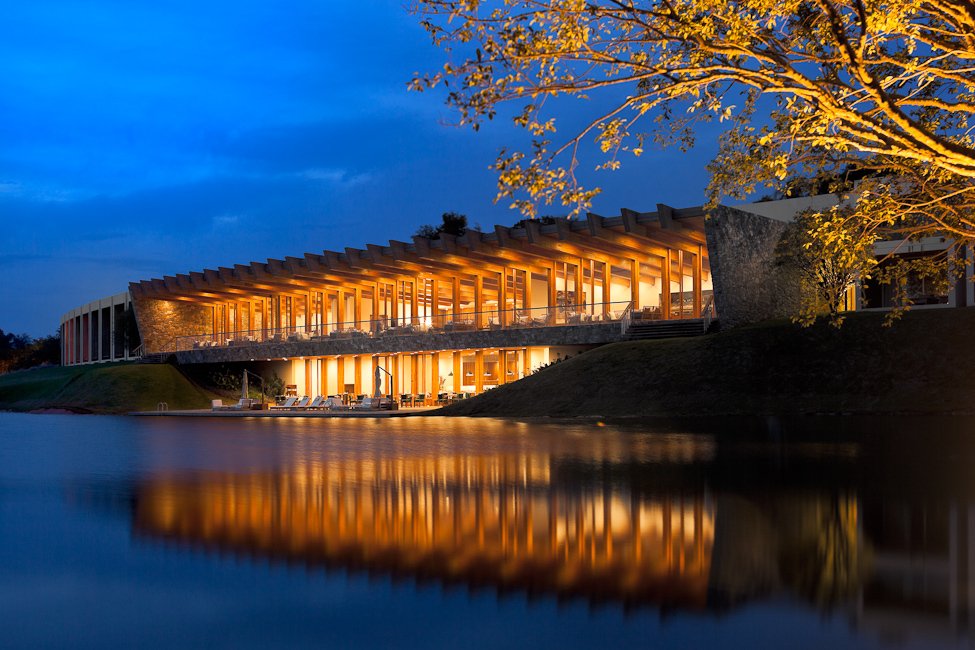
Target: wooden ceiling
[617, 241]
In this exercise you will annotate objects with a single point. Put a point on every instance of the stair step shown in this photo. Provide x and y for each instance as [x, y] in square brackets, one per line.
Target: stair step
[641, 330]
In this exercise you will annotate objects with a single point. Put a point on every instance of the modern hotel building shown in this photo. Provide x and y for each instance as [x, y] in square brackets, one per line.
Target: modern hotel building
[454, 314]
[463, 314]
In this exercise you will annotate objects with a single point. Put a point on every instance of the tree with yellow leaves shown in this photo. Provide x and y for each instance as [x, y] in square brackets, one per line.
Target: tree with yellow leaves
[810, 89]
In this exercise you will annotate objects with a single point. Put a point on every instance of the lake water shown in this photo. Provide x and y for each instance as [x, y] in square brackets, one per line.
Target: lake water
[432, 532]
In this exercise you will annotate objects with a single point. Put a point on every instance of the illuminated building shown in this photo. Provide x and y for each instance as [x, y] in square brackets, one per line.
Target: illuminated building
[455, 314]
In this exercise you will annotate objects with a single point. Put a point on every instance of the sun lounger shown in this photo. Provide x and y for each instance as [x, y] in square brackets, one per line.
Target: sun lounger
[317, 403]
[243, 404]
[288, 403]
[301, 404]
[369, 404]
[333, 403]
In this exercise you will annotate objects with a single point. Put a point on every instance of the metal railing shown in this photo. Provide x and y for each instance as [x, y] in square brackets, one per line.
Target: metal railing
[707, 314]
[384, 326]
[626, 319]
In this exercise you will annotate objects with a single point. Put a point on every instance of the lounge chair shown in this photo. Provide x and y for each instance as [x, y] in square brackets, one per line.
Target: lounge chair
[301, 404]
[317, 402]
[288, 403]
[243, 404]
[369, 404]
[333, 403]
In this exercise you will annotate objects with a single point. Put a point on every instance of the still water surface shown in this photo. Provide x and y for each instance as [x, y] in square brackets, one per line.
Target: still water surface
[430, 532]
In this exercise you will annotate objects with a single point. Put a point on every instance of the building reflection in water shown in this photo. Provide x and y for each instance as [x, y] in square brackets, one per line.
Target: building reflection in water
[498, 521]
[632, 524]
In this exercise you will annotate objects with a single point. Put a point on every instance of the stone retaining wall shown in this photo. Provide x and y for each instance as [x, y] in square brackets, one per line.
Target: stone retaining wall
[161, 321]
[589, 334]
[748, 286]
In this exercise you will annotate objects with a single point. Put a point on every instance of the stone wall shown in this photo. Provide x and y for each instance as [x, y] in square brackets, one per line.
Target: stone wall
[161, 321]
[588, 334]
[748, 286]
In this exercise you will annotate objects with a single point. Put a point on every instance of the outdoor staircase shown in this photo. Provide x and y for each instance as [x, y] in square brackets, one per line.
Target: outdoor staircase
[158, 357]
[640, 330]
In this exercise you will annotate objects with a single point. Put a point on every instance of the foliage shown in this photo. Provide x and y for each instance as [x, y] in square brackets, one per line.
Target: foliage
[230, 378]
[452, 224]
[829, 252]
[827, 564]
[274, 385]
[19, 351]
[809, 89]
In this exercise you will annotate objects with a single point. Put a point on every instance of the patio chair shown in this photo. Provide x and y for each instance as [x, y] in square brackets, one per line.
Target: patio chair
[368, 404]
[334, 402]
[288, 403]
[243, 404]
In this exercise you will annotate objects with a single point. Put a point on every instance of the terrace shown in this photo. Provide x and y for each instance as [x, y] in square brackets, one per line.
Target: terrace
[565, 325]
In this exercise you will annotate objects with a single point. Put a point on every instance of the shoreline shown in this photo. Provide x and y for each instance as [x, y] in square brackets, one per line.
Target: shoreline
[208, 413]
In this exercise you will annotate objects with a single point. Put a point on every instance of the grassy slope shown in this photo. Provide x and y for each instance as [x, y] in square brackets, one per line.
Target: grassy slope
[111, 388]
[924, 364]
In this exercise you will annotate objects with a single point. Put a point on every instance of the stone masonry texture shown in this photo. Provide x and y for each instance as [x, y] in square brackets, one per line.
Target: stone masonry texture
[748, 286]
[161, 321]
[591, 334]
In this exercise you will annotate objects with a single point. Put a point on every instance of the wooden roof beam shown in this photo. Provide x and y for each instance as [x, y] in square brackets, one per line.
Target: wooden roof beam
[665, 215]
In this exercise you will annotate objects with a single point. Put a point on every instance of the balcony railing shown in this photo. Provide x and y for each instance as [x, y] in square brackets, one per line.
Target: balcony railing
[383, 326]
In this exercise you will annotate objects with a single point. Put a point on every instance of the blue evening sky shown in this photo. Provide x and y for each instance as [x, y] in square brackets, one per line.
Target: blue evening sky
[140, 139]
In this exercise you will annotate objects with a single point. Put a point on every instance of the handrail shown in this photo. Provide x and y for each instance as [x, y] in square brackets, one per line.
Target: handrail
[578, 314]
[626, 318]
[707, 314]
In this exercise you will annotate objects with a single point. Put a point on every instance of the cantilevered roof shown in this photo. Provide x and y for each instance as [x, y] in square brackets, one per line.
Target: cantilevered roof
[642, 236]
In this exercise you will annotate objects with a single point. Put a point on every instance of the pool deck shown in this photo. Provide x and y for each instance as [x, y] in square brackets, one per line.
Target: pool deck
[285, 413]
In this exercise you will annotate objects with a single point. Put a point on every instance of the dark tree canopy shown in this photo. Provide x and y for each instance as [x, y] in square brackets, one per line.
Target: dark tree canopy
[452, 223]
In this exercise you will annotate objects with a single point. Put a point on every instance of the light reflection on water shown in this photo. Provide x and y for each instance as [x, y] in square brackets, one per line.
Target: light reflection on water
[866, 531]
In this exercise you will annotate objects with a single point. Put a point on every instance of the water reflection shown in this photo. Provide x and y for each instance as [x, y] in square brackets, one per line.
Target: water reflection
[496, 521]
[873, 529]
